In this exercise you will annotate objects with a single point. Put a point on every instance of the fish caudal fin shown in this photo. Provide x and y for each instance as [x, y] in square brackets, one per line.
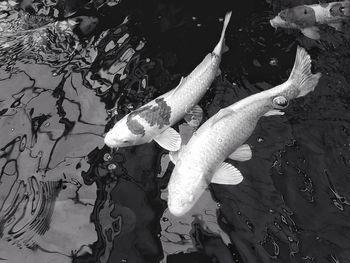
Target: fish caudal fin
[301, 75]
[221, 47]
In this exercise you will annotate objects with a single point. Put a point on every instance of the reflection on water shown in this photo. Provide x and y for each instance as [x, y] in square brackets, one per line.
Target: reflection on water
[65, 197]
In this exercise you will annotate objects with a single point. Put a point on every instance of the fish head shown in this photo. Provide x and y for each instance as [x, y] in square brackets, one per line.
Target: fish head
[297, 17]
[121, 136]
[183, 193]
[179, 206]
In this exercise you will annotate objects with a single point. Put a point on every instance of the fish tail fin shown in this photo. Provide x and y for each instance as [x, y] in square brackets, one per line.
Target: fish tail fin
[221, 47]
[301, 75]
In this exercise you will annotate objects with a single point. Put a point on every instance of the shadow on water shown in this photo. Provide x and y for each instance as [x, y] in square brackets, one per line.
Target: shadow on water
[69, 70]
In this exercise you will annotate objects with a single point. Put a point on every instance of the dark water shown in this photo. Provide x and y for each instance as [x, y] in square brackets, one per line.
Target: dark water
[70, 69]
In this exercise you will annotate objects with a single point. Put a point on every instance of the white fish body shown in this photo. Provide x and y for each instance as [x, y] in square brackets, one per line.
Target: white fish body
[153, 120]
[201, 161]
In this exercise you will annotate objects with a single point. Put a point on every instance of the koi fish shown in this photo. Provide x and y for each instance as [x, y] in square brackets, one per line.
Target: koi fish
[153, 121]
[202, 160]
[307, 18]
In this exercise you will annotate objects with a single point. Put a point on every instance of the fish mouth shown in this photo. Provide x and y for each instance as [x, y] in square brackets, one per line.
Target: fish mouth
[277, 21]
[178, 212]
[176, 209]
[272, 23]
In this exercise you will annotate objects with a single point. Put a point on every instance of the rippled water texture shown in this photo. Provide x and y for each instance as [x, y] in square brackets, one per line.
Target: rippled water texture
[70, 69]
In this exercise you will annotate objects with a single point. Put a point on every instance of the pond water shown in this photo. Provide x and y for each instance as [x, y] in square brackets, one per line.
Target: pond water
[70, 69]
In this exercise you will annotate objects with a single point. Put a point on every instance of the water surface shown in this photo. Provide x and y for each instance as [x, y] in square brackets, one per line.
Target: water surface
[69, 70]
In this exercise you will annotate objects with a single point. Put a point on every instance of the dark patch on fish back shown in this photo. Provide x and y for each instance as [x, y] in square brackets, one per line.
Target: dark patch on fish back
[135, 126]
[164, 113]
[300, 15]
[158, 115]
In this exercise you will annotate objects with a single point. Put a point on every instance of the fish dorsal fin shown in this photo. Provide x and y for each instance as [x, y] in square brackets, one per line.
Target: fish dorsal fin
[194, 116]
[312, 32]
[223, 113]
[169, 140]
[227, 174]
[242, 153]
[172, 92]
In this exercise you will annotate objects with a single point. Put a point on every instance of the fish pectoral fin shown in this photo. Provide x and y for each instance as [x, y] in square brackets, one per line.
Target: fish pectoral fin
[169, 140]
[311, 32]
[194, 116]
[273, 112]
[242, 153]
[227, 174]
[337, 26]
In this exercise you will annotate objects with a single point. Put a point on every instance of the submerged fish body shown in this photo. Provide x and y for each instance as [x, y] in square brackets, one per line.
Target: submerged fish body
[201, 161]
[307, 18]
[153, 121]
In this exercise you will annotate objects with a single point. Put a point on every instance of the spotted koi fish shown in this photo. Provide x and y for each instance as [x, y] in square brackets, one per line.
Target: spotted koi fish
[153, 121]
[201, 161]
[307, 18]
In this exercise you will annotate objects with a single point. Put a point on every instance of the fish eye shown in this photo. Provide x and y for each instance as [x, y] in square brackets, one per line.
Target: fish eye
[125, 141]
[305, 11]
[280, 102]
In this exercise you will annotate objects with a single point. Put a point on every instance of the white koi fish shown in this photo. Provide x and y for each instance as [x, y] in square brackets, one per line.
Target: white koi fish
[307, 18]
[153, 121]
[201, 161]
